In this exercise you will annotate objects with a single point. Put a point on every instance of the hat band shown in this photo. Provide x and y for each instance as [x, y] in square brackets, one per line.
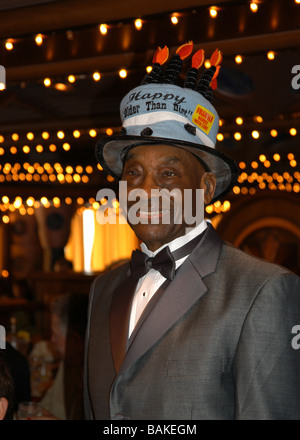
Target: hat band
[149, 119]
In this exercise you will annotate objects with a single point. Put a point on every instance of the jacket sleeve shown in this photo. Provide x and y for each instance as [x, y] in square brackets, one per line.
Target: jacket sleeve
[267, 359]
[86, 397]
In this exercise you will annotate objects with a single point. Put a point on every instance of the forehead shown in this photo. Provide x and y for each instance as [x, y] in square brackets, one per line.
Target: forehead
[160, 153]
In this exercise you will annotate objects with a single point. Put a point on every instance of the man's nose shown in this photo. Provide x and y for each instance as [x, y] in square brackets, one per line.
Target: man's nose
[149, 182]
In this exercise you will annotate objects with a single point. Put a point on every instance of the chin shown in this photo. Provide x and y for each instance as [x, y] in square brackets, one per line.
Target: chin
[159, 234]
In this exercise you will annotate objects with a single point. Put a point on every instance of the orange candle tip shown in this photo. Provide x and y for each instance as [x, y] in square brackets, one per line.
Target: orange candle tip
[161, 55]
[213, 83]
[198, 59]
[185, 50]
[216, 58]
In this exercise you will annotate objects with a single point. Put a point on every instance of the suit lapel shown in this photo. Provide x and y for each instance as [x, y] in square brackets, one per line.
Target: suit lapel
[119, 319]
[180, 295]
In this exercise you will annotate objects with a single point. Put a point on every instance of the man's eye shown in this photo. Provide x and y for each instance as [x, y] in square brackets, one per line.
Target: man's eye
[131, 172]
[169, 173]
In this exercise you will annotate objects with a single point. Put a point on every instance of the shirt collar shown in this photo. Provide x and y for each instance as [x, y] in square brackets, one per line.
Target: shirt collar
[179, 241]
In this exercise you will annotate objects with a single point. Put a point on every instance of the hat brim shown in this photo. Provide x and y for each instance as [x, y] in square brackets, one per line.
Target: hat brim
[110, 153]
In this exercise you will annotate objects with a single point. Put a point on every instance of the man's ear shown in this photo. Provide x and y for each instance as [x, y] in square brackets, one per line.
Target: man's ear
[3, 407]
[208, 183]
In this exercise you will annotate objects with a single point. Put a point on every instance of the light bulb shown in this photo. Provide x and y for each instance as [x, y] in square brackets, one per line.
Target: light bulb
[96, 76]
[123, 73]
[9, 45]
[213, 12]
[103, 29]
[39, 39]
[253, 7]
[138, 23]
[174, 19]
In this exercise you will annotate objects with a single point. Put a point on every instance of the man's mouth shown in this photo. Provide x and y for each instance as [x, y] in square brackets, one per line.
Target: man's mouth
[152, 214]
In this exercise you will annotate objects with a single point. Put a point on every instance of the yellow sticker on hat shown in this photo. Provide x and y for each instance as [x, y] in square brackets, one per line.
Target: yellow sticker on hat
[203, 118]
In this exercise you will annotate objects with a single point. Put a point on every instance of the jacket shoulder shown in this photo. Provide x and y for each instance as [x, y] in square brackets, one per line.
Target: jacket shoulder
[242, 261]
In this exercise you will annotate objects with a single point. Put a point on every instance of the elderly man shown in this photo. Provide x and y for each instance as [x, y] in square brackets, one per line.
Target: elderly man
[192, 328]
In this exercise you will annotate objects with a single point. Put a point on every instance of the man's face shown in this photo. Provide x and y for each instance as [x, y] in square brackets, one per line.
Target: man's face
[149, 167]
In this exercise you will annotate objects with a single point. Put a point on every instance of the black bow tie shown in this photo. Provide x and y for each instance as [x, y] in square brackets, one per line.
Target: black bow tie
[164, 261]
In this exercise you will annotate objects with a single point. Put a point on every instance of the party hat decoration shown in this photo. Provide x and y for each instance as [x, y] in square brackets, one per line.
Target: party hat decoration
[192, 74]
[209, 75]
[159, 58]
[175, 65]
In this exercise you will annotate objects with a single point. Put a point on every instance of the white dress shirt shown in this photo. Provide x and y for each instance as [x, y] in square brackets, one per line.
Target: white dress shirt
[150, 283]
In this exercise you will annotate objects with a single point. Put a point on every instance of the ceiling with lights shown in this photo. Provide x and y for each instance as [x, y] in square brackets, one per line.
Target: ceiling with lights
[68, 63]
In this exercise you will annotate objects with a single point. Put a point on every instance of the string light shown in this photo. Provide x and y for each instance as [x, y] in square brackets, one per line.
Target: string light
[60, 86]
[9, 45]
[30, 136]
[93, 133]
[47, 82]
[239, 120]
[174, 19]
[66, 146]
[273, 132]
[138, 24]
[271, 55]
[213, 11]
[123, 73]
[254, 6]
[39, 39]
[103, 29]
[238, 59]
[96, 76]
[71, 79]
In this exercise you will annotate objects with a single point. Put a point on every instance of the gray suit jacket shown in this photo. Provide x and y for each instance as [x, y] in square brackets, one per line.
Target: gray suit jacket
[217, 344]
